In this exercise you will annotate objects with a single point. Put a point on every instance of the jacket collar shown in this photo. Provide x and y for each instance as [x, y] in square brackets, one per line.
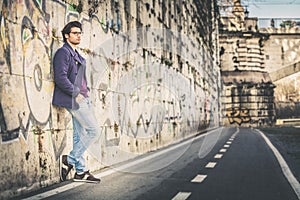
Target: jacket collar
[75, 55]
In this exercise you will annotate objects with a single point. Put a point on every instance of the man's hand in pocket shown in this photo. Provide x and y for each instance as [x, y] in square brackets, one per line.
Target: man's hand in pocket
[79, 98]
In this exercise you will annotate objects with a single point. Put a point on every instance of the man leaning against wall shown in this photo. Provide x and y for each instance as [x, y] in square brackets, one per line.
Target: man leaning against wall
[71, 92]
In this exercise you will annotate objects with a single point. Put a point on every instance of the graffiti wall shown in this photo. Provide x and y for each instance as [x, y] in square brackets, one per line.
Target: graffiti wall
[153, 81]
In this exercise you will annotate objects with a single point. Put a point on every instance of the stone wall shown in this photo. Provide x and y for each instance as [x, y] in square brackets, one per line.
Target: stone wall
[248, 99]
[248, 90]
[242, 51]
[282, 61]
[282, 47]
[152, 73]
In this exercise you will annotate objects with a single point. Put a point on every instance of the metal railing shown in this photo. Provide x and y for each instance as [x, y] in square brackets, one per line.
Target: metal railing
[278, 22]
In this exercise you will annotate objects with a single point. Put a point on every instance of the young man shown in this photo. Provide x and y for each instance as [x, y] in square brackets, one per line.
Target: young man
[71, 92]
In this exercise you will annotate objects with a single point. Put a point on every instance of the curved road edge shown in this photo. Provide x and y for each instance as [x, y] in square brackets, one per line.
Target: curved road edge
[284, 166]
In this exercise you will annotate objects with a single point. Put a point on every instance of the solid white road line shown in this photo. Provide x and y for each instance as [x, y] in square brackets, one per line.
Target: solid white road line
[199, 179]
[111, 171]
[218, 156]
[284, 167]
[182, 196]
[211, 165]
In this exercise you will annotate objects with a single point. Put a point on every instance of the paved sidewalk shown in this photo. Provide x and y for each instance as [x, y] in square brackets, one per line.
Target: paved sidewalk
[287, 141]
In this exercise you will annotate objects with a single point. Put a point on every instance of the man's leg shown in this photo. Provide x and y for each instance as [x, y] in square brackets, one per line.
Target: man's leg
[76, 155]
[75, 158]
[86, 129]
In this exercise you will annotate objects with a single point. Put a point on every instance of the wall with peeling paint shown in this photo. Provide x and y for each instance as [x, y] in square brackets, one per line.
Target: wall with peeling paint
[152, 73]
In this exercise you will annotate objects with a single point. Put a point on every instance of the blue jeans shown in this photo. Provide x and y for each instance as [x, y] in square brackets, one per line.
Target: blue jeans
[85, 130]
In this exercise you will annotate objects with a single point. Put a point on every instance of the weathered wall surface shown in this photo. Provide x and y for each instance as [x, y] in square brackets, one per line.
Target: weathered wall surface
[248, 91]
[282, 47]
[242, 51]
[282, 62]
[260, 70]
[152, 72]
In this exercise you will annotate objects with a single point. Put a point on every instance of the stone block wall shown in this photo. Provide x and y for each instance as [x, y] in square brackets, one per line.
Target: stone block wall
[260, 70]
[283, 63]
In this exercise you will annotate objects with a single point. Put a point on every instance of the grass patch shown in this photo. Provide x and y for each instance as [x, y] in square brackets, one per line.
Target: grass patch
[288, 138]
[282, 130]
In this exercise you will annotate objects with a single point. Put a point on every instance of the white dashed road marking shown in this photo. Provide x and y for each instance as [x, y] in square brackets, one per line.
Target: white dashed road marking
[182, 196]
[199, 179]
[211, 165]
[223, 150]
[112, 171]
[218, 156]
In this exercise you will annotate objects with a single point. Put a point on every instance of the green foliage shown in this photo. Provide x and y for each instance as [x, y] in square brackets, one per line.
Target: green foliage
[287, 24]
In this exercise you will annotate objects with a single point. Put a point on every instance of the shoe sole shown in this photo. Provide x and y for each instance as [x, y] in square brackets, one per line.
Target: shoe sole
[85, 181]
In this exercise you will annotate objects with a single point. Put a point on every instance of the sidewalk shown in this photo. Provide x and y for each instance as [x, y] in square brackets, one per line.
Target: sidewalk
[287, 141]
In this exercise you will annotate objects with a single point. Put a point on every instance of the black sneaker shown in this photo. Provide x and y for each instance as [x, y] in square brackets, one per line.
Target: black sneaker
[64, 167]
[86, 177]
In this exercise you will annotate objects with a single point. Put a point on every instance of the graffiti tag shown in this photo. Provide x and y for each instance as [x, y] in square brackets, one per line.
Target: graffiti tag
[238, 115]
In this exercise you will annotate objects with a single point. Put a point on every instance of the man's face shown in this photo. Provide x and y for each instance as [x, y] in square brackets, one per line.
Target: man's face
[74, 36]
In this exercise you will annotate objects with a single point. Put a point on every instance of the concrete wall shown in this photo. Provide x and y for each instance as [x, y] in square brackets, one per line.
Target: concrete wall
[152, 72]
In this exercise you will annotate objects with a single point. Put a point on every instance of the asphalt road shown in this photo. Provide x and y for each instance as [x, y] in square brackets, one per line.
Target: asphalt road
[226, 164]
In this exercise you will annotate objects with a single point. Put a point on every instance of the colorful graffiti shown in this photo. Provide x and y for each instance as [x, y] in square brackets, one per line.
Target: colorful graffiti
[149, 87]
[140, 95]
[238, 115]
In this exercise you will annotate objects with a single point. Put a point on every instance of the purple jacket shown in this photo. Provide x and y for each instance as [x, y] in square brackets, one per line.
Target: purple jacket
[69, 70]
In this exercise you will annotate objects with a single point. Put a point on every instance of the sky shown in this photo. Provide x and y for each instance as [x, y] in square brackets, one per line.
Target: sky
[273, 8]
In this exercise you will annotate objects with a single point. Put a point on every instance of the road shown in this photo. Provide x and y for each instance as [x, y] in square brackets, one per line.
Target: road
[225, 164]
